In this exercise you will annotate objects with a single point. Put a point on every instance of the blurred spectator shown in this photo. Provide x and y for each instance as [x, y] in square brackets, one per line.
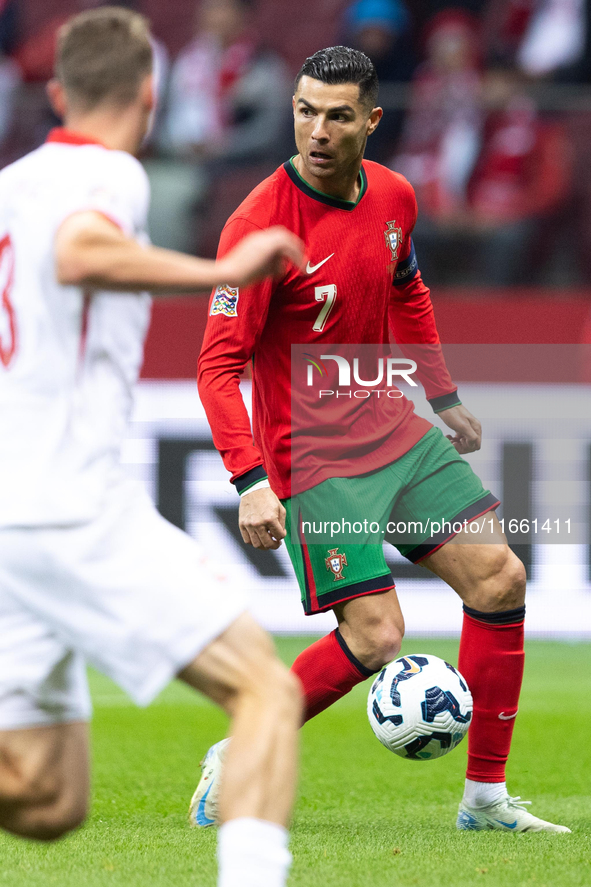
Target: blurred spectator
[9, 72]
[8, 26]
[504, 27]
[227, 104]
[548, 39]
[556, 42]
[424, 11]
[35, 58]
[442, 133]
[9, 82]
[381, 29]
[36, 55]
[518, 183]
[227, 95]
[523, 166]
[521, 180]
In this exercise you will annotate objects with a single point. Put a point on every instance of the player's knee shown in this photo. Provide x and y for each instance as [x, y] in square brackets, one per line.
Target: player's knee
[282, 691]
[514, 581]
[68, 815]
[46, 816]
[293, 694]
[56, 822]
[388, 642]
[504, 585]
[22, 785]
[260, 673]
[380, 642]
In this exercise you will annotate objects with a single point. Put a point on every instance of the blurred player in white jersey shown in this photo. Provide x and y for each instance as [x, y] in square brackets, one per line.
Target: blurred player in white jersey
[89, 571]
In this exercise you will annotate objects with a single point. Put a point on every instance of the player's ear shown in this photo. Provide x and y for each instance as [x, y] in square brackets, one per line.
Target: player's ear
[148, 93]
[374, 118]
[57, 97]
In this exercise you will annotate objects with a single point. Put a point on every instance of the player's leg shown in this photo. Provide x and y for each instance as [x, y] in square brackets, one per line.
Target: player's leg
[447, 502]
[252, 803]
[369, 634]
[241, 672]
[429, 481]
[464, 545]
[143, 605]
[372, 627]
[456, 535]
[490, 580]
[44, 705]
[44, 784]
[349, 575]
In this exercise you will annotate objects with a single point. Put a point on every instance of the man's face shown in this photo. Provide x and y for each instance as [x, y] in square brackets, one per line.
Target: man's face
[224, 19]
[331, 125]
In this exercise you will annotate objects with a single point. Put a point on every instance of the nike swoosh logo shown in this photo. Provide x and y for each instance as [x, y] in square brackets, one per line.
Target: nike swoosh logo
[507, 824]
[504, 717]
[312, 268]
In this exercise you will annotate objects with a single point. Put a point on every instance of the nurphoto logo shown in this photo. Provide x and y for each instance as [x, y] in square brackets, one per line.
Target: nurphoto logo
[388, 372]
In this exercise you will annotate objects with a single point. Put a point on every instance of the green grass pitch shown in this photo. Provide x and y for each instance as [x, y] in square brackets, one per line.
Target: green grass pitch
[364, 817]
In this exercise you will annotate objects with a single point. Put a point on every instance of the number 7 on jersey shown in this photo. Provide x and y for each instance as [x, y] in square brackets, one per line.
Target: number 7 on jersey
[326, 294]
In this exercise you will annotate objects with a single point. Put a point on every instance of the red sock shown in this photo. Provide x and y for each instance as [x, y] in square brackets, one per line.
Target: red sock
[327, 670]
[491, 659]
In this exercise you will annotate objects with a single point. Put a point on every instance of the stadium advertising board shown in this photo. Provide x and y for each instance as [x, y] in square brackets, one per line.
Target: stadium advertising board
[535, 456]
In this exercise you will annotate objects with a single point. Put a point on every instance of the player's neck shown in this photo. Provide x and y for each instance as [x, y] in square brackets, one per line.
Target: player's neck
[344, 186]
[115, 129]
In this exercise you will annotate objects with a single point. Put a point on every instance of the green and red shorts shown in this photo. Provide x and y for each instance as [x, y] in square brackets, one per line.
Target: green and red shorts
[336, 530]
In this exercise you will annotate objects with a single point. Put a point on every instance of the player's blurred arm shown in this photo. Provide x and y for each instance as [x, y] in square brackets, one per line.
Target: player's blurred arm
[93, 252]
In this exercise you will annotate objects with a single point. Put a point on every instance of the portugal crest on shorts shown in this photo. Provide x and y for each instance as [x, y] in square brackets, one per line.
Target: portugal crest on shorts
[225, 301]
[393, 238]
[335, 563]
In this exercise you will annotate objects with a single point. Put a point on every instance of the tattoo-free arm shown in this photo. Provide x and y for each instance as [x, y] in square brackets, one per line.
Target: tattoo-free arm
[91, 251]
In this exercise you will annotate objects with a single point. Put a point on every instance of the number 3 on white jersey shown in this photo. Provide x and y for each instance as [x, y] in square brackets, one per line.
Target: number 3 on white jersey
[7, 318]
[326, 294]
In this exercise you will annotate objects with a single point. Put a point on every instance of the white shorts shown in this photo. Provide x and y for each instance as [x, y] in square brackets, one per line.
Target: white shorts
[127, 592]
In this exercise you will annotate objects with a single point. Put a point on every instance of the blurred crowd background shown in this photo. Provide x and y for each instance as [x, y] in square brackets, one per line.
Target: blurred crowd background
[487, 112]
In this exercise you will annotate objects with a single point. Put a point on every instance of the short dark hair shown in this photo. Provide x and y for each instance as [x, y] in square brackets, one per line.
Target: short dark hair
[341, 64]
[103, 56]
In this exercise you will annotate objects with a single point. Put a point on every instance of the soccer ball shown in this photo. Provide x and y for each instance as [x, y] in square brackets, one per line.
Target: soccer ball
[419, 707]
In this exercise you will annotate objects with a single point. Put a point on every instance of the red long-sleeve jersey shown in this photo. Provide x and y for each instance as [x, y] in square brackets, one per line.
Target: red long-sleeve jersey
[362, 278]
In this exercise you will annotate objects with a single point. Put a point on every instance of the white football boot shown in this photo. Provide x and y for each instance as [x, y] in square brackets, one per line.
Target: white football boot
[507, 815]
[203, 811]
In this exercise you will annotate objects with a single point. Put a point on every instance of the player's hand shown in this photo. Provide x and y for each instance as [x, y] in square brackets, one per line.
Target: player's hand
[263, 254]
[468, 430]
[261, 519]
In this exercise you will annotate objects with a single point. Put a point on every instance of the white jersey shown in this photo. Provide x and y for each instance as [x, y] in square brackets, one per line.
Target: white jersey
[89, 571]
[68, 360]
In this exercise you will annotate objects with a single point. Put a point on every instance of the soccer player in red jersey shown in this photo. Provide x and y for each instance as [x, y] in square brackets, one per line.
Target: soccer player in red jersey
[362, 281]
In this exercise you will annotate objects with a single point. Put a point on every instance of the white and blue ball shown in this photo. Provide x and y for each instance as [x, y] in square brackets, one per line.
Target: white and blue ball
[419, 707]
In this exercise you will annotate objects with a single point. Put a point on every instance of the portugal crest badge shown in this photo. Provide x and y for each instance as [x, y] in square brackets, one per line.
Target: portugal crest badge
[335, 563]
[393, 238]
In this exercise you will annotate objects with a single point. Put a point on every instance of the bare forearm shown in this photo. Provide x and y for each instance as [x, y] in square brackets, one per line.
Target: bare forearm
[129, 266]
[92, 252]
